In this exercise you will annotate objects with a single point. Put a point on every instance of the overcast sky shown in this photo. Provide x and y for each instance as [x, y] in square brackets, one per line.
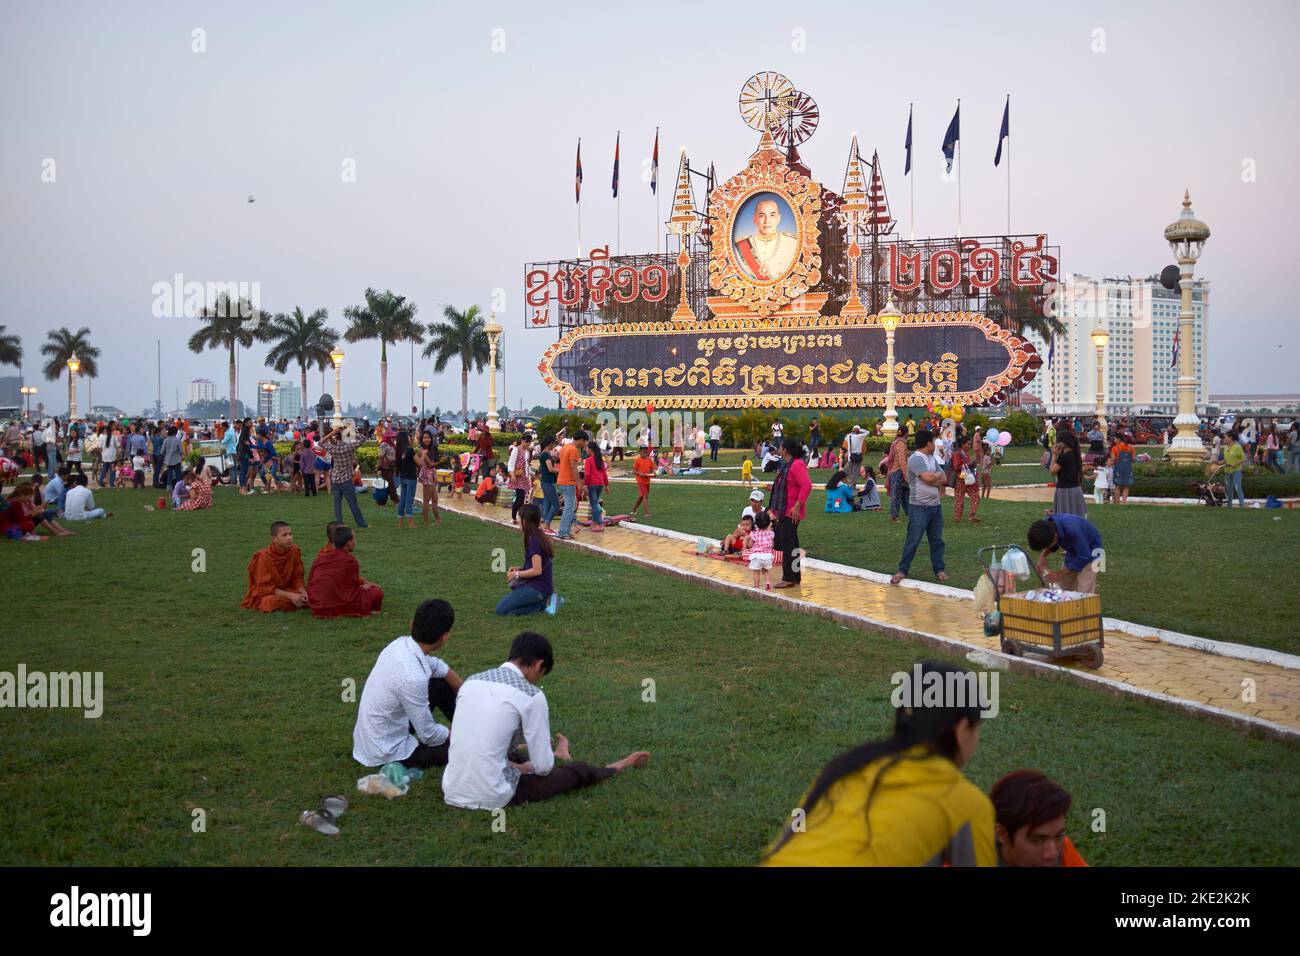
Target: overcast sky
[463, 153]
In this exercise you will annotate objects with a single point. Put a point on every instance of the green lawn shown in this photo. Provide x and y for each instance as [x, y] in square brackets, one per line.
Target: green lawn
[1213, 572]
[239, 714]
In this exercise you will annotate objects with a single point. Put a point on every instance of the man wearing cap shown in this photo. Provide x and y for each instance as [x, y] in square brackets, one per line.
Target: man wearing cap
[755, 504]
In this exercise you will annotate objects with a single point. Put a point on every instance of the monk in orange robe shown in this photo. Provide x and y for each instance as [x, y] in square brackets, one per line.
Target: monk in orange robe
[275, 574]
[335, 587]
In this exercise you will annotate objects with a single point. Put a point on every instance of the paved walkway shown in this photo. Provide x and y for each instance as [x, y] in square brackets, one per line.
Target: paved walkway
[1138, 660]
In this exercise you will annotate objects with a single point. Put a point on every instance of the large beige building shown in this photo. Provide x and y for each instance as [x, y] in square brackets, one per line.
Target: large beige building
[1140, 375]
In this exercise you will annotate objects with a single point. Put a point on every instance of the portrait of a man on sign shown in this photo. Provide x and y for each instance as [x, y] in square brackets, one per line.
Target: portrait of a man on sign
[765, 247]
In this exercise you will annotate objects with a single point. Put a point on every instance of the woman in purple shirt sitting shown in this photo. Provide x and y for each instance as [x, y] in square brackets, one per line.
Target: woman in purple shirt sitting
[531, 587]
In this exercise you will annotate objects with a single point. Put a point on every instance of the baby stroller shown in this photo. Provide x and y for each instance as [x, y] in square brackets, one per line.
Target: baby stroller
[1211, 490]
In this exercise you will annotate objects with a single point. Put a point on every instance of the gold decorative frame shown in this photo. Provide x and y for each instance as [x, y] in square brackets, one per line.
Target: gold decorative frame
[766, 172]
[1021, 358]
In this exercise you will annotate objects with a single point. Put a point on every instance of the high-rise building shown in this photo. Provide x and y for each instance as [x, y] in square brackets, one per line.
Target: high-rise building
[201, 390]
[1139, 363]
[284, 401]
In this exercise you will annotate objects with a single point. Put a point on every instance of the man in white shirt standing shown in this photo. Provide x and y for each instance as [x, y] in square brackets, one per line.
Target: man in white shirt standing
[715, 439]
[395, 717]
[500, 709]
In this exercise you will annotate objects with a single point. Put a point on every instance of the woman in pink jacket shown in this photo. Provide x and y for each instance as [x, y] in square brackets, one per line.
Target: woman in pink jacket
[787, 505]
[596, 478]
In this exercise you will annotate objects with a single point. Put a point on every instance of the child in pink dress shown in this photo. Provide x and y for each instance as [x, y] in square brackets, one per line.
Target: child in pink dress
[761, 540]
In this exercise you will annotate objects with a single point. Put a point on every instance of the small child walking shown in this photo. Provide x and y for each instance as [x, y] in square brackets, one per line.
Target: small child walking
[760, 550]
[747, 471]
[643, 468]
[137, 470]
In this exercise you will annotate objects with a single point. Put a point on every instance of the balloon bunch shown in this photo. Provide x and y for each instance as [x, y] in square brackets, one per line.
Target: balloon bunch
[955, 411]
[995, 437]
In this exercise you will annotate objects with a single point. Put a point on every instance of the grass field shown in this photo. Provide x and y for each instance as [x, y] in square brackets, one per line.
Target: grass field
[240, 714]
[1222, 573]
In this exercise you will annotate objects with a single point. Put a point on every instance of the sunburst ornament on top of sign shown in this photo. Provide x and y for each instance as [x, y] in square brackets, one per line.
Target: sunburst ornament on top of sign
[765, 99]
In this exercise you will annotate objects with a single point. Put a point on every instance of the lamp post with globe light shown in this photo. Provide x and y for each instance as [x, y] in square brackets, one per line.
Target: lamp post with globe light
[422, 385]
[493, 330]
[1099, 339]
[1186, 236]
[889, 317]
[28, 391]
[336, 357]
[74, 366]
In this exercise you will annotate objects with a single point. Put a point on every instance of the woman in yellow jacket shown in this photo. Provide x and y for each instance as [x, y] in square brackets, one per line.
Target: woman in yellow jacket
[898, 802]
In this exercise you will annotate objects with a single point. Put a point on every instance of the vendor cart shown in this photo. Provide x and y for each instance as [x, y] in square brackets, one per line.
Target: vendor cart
[1060, 629]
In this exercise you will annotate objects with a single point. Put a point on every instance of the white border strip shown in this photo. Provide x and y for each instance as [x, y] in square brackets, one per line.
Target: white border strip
[957, 646]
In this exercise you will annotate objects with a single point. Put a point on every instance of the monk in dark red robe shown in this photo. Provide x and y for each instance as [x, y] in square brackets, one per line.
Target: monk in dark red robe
[335, 587]
[328, 546]
[275, 575]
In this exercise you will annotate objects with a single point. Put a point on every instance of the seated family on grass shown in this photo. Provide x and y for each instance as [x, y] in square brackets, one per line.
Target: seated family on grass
[34, 508]
[903, 801]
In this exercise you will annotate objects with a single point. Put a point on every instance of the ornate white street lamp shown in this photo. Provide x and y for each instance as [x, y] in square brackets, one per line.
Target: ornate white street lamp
[1186, 236]
[1099, 339]
[493, 331]
[889, 317]
[337, 358]
[74, 366]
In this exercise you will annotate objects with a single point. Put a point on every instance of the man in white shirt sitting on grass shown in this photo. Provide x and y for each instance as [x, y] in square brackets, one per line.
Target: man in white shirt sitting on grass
[500, 709]
[395, 717]
[79, 503]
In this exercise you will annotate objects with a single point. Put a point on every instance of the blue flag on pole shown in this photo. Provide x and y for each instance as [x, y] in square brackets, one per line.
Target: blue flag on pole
[907, 144]
[1051, 351]
[577, 176]
[654, 166]
[951, 137]
[1005, 131]
[614, 179]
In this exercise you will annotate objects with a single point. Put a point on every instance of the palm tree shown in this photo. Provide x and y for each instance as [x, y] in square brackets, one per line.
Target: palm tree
[229, 327]
[389, 318]
[11, 350]
[306, 340]
[60, 347]
[461, 335]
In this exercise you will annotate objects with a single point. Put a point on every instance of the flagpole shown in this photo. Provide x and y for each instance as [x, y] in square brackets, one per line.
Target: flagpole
[618, 204]
[1008, 108]
[658, 236]
[911, 187]
[958, 147]
[579, 188]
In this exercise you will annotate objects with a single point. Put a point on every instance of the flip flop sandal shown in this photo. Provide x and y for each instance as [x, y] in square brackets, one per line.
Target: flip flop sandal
[322, 821]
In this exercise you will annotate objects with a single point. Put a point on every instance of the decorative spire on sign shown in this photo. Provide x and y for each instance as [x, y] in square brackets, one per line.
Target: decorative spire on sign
[855, 207]
[854, 213]
[683, 223]
[879, 222]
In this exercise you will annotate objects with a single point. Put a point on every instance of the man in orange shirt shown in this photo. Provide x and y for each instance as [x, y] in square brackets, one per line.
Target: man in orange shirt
[1030, 826]
[569, 479]
[643, 466]
[275, 574]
